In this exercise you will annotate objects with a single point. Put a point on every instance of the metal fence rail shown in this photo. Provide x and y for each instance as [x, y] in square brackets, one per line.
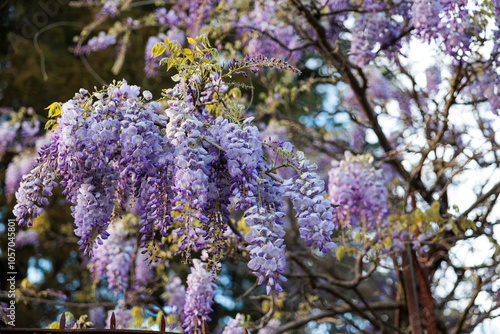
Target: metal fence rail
[112, 329]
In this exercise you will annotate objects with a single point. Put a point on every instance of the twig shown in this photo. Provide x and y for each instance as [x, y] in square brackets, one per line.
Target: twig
[332, 312]
[246, 293]
[213, 143]
[37, 48]
[4, 294]
[472, 300]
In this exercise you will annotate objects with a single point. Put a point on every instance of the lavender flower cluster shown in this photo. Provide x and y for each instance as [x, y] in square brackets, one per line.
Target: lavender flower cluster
[27, 238]
[314, 212]
[7, 135]
[381, 27]
[23, 163]
[357, 190]
[234, 325]
[265, 236]
[18, 135]
[175, 296]
[112, 260]
[181, 171]
[199, 296]
[97, 43]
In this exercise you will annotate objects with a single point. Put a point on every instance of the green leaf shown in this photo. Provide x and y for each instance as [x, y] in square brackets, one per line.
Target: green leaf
[191, 41]
[207, 42]
[49, 124]
[387, 243]
[154, 50]
[54, 109]
[236, 92]
[419, 216]
[472, 225]
[160, 50]
[433, 212]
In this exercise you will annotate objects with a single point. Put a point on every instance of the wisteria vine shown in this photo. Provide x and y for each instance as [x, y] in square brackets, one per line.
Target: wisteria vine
[184, 168]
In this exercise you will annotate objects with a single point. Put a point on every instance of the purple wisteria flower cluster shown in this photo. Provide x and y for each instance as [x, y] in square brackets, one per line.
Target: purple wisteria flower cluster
[183, 170]
[358, 191]
[265, 236]
[199, 296]
[36, 186]
[7, 135]
[193, 16]
[27, 238]
[234, 325]
[116, 261]
[102, 150]
[447, 21]
[116, 152]
[18, 134]
[97, 43]
[23, 163]
[175, 297]
[113, 258]
[20, 165]
[142, 271]
[373, 29]
[381, 28]
[262, 17]
[314, 212]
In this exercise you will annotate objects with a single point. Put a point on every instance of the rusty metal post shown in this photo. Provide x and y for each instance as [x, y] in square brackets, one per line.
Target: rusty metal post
[62, 321]
[162, 323]
[112, 324]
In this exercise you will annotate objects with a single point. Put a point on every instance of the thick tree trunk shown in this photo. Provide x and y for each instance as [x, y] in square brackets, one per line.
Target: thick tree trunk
[411, 291]
[418, 295]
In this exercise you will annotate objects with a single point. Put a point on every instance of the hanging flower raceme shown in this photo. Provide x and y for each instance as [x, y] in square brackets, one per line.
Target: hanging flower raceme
[234, 325]
[27, 238]
[267, 257]
[104, 147]
[113, 259]
[357, 190]
[175, 297]
[314, 212]
[199, 296]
